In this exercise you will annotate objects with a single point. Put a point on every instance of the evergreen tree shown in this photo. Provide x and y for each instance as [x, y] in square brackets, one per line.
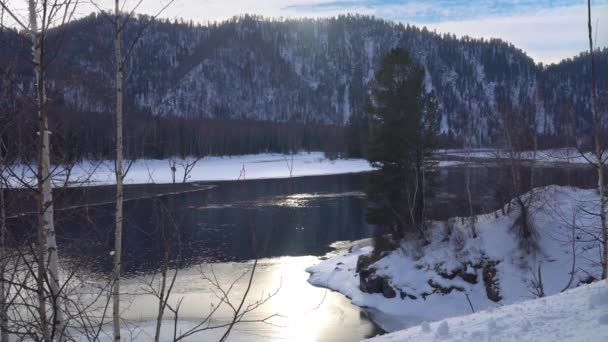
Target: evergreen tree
[403, 125]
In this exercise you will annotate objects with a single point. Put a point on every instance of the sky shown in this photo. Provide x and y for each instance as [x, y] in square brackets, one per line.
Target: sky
[548, 31]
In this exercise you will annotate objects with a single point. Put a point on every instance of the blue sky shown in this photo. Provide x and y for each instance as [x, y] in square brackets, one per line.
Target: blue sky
[546, 30]
[438, 10]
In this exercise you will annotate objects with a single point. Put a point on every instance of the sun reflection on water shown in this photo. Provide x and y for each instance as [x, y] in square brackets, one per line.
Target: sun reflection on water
[301, 312]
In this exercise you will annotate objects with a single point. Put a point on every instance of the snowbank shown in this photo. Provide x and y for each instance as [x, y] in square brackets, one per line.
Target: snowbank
[563, 155]
[433, 282]
[253, 166]
[579, 314]
[258, 166]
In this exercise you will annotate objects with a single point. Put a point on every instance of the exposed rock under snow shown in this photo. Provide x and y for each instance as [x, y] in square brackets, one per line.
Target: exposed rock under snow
[436, 281]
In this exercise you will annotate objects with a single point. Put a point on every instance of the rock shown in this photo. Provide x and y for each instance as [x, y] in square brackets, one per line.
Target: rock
[387, 289]
[369, 282]
[461, 272]
[404, 295]
[363, 262]
[470, 278]
[438, 288]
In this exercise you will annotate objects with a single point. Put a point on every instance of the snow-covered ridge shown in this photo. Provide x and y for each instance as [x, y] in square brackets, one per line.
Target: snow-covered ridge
[437, 281]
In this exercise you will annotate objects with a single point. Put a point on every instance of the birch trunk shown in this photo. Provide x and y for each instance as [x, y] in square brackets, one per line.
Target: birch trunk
[3, 290]
[598, 151]
[3, 307]
[46, 227]
[119, 178]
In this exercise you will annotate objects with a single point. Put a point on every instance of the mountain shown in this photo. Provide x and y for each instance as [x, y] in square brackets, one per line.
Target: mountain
[310, 71]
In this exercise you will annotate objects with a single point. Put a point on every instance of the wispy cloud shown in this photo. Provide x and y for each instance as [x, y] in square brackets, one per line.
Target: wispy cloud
[548, 30]
[437, 10]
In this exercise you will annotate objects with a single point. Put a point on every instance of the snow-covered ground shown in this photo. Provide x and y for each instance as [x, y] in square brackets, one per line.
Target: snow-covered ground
[562, 155]
[258, 166]
[154, 171]
[579, 314]
[417, 273]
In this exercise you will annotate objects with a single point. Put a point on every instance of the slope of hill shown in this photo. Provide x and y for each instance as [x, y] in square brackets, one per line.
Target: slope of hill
[308, 70]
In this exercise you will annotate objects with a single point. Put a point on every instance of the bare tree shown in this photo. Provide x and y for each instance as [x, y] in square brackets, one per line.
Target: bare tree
[49, 13]
[467, 174]
[536, 286]
[120, 61]
[519, 129]
[598, 149]
[3, 232]
[187, 165]
[119, 177]
[3, 289]
[289, 164]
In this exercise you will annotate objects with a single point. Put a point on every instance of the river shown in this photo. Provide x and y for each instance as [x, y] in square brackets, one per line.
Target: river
[287, 224]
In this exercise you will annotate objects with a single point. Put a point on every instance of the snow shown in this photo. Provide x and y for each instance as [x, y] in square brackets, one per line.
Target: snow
[257, 166]
[413, 266]
[579, 314]
[563, 155]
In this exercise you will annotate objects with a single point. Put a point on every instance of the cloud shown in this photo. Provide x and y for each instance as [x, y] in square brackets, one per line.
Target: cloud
[437, 10]
[548, 30]
[546, 36]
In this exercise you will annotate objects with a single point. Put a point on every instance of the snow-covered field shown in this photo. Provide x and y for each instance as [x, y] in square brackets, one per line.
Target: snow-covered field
[258, 166]
[415, 271]
[563, 155]
[579, 314]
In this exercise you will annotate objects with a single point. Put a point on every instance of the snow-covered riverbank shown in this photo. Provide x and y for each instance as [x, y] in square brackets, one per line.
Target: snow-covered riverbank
[155, 171]
[152, 171]
[552, 156]
[419, 283]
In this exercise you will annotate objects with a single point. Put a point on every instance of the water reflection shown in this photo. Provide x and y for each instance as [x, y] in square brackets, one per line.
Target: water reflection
[299, 312]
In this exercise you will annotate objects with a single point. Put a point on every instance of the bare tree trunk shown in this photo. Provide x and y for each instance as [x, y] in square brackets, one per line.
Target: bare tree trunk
[119, 179]
[46, 227]
[161, 300]
[3, 290]
[598, 150]
[3, 306]
[41, 241]
[467, 177]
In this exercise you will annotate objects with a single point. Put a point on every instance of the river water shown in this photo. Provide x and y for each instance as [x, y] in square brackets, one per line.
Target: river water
[287, 224]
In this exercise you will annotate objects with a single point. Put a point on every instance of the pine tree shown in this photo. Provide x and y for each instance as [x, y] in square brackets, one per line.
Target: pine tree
[403, 123]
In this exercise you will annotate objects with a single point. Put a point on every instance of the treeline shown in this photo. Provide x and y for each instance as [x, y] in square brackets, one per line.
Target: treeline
[78, 136]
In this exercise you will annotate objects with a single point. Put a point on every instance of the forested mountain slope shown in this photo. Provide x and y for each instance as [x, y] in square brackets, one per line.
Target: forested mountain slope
[310, 71]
